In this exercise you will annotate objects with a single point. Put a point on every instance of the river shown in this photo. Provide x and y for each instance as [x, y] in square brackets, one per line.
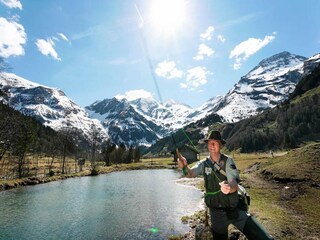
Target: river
[141, 204]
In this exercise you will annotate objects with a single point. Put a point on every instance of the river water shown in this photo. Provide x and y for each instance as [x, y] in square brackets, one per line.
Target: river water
[142, 204]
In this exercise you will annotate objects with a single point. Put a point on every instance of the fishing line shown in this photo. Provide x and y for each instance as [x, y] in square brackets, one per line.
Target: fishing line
[151, 67]
[146, 50]
[182, 129]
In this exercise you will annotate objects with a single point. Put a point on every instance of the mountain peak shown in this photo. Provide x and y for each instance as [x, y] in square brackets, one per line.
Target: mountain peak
[282, 59]
[268, 84]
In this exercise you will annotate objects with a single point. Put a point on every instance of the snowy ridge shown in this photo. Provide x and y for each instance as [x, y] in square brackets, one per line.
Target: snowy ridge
[264, 87]
[141, 120]
[49, 105]
[14, 80]
[205, 109]
[123, 123]
[170, 115]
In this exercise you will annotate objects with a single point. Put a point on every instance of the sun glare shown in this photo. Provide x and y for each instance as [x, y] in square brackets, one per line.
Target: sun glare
[166, 16]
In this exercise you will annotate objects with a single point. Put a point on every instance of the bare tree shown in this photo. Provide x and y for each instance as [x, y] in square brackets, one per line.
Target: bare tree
[94, 141]
[67, 145]
[25, 141]
[136, 154]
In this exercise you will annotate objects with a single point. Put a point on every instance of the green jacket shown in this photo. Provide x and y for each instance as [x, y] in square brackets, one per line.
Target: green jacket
[214, 198]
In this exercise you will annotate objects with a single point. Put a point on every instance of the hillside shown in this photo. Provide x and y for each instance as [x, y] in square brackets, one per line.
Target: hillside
[293, 183]
[295, 121]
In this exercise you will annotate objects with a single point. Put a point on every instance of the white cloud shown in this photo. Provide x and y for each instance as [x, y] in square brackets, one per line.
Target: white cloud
[46, 47]
[247, 48]
[168, 70]
[221, 38]
[12, 3]
[196, 77]
[203, 50]
[134, 94]
[12, 38]
[63, 37]
[208, 34]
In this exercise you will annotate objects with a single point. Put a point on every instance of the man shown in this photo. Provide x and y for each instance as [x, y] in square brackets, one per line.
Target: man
[221, 178]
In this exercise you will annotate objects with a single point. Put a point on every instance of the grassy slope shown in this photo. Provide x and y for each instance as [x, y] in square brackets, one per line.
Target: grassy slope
[287, 203]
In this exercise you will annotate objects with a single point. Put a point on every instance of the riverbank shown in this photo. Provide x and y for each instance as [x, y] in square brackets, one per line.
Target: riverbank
[15, 183]
[197, 220]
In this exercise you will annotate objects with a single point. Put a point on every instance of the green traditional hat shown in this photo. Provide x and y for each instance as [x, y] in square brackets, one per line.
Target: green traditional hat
[215, 135]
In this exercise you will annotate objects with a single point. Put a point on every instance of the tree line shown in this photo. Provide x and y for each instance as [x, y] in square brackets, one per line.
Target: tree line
[22, 137]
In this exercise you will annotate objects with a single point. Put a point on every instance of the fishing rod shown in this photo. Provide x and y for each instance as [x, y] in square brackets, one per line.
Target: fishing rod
[179, 156]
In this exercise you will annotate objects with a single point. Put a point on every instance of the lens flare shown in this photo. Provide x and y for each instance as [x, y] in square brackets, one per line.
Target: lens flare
[153, 230]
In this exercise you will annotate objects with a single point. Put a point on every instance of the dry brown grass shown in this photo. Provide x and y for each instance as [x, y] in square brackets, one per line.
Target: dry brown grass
[285, 191]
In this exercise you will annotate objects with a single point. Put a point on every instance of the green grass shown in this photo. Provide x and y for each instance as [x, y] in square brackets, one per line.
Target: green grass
[265, 206]
[307, 94]
[308, 205]
[299, 164]
[294, 217]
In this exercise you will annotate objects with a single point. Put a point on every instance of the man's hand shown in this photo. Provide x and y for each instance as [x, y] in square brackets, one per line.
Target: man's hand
[225, 187]
[182, 161]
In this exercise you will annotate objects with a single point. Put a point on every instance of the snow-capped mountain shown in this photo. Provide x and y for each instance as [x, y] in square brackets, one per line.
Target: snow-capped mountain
[170, 115]
[263, 87]
[123, 123]
[311, 64]
[49, 105]
[140, 120]
[206, 109]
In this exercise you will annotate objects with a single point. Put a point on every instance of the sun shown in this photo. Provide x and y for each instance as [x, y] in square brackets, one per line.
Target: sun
[166, 16]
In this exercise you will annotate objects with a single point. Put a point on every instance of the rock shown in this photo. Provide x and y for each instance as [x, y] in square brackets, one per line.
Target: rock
[252, 168]
[203, 233]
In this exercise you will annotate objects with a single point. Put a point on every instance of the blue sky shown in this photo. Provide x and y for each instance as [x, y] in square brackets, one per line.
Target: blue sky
[199, 49]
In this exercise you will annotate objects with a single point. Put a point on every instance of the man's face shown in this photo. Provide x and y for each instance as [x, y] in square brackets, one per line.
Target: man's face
[214, 146]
